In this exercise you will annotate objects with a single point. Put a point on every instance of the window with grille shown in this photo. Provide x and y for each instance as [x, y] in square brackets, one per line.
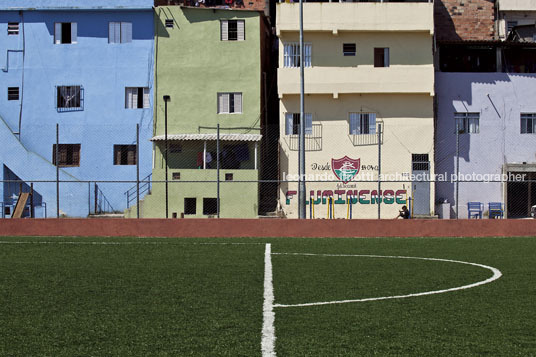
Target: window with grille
[12, 28]
[124, 154]
[362, 123]
[348, 49]
[292, 125]
[381, 57]
[69, 97]
[292, 55]
[420, 162]
[169, 23]
[229, 103]
[467, 123]
[120, 32]
[136, 97]
[65, 32]
[528, 123]
[13, 93]
[232, 30]
[68, 155]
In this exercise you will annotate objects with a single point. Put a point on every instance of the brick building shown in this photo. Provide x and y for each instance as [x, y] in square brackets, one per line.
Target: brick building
[464, 20]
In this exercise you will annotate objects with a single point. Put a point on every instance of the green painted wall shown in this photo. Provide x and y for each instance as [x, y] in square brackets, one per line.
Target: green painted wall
[193, 66]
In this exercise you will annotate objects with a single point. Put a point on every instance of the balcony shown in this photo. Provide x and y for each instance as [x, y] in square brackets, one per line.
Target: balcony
[517, 5]
[313, 141]
[362, 79]
[357, 16]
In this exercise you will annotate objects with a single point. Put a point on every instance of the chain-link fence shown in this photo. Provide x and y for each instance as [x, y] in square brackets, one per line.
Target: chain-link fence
[239, 173]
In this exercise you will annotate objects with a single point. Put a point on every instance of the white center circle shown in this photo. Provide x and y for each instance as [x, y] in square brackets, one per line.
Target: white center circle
[496, 275]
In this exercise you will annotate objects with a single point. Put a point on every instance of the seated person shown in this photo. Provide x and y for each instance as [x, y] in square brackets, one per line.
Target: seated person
[404, 213]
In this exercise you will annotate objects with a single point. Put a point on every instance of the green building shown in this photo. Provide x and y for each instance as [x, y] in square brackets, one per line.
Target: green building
[209, 71]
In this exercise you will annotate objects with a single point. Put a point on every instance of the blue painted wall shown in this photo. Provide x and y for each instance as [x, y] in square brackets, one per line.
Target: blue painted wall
[103, 70]
[499, 98]
[75, 4]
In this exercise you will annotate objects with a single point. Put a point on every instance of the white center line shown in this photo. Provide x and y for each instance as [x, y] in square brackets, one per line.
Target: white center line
[268, 317]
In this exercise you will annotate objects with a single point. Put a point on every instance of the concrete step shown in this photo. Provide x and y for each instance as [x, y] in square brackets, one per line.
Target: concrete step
[107, 215]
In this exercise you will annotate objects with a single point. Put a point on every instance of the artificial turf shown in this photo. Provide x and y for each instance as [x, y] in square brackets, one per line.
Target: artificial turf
[176, 297]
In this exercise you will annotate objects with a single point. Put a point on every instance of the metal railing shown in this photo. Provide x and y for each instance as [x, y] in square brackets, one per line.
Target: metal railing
[102, 205]
[145, 186]
[365, 139]
[313, 141]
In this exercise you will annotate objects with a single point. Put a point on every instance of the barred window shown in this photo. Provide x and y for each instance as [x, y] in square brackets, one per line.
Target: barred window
[13, 93]
[467, 123]
[68, 155]
[69, 97]
[528, 123]
[292, 55]
[124, 154]
[12, 28]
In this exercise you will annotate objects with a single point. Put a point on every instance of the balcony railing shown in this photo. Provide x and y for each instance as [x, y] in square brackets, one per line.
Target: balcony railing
[313, 141]
[366, 139]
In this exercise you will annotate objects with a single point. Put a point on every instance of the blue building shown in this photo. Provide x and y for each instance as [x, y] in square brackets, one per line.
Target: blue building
[88, 67]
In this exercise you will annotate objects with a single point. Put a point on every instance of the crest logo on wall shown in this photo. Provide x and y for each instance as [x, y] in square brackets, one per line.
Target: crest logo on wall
[345, 168]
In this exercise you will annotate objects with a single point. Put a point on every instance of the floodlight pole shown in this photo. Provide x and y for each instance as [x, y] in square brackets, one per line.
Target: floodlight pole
[301, 145]
[457, 166]
[166, 100]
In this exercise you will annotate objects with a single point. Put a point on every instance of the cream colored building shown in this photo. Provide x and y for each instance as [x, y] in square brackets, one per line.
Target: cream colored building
[367, 65]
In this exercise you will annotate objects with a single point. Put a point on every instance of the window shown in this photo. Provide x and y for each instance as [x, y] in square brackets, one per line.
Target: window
[190, 205]
[292, 125]
[420, 162]
[362, 123]
[69, 97]
[136, 97]
[65, 32]
[229, 177]
[176, 176]
[232, 30]
[120, 32]
[528, 123]
[348, 49]
[510, 26]
[124, 154]
[229, 103]
[381, 57]
[210, 206]
[12, 28]
[13, 93]
[69, 155]
[467, 123]
[292, 55]
[169, 23]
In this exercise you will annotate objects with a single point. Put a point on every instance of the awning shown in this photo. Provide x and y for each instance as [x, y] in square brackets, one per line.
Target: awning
[223, 137]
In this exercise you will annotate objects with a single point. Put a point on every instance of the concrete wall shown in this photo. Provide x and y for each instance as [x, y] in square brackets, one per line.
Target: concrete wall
[193, 66]
[103, 70]
[499, 98]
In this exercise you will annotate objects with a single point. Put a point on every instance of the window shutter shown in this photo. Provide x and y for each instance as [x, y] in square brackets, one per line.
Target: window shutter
[134, 103]
[117, 32]
[308, 124]
[57, 33]
[128, 98]
[131, 156]
[146, 103]
[353, 124]
[378, 57]
[225, 100]
[307, 55]
[386, 57]
[111, 32]
[74, 30]
[240, 24]
[224, 30]
[238, 102]
[126, 32]
[372, 123]
[288, 123]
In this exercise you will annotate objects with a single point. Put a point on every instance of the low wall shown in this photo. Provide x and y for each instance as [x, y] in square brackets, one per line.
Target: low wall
[266, 228]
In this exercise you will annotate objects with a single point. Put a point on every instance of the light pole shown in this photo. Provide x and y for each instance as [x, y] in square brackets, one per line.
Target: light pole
[301, 144]
[167, 98]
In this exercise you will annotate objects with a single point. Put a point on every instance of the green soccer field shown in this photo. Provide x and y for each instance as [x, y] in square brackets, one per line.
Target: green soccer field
[201, 297]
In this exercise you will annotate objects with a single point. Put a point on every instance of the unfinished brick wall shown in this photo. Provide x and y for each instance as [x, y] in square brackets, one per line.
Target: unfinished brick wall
[464, 19]
[234, 4]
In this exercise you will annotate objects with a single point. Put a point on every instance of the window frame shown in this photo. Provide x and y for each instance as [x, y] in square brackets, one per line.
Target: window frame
[213, 201]
[79, 98]
[13, 28]
[385, 55]
[295, 126]
[234, 100]
[528, 118]
[349, 52]
[122, 151]
[64, 150]
[291, 55]
[169, 23]
[58, 33]
[365, 123]
[240, 30]
[132, 99]
[190, 213]
[119, 32]
[13, 96]
[466, 118]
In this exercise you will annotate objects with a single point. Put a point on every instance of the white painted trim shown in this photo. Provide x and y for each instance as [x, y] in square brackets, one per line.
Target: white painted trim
[268, 317]
[496, 275]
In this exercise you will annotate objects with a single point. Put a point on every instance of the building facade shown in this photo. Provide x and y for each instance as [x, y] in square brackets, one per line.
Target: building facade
[88, 68]
[209, 73]
[369, 90]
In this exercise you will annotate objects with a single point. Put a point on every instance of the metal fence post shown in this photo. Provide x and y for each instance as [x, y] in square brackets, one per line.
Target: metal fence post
[57, 156]
[217, 170]
[138, 171]
[379, 169]
[457, 167]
